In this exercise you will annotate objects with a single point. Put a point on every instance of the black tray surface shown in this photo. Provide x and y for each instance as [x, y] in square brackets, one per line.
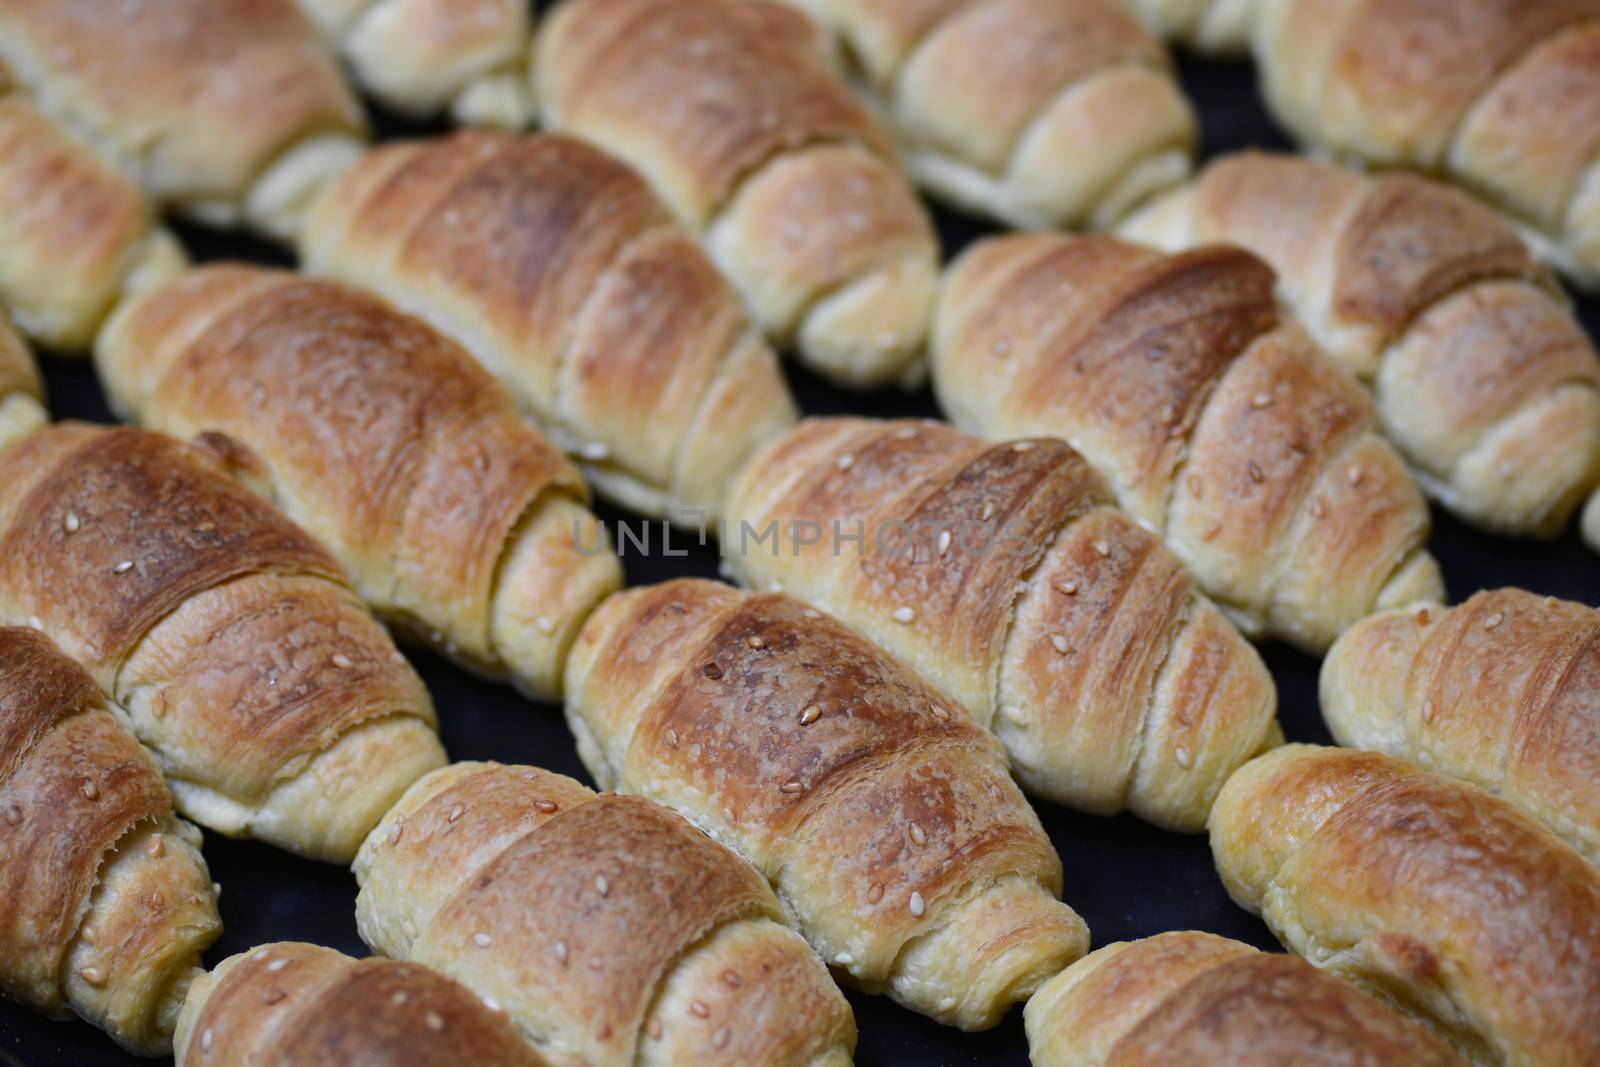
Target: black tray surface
[1127, 879]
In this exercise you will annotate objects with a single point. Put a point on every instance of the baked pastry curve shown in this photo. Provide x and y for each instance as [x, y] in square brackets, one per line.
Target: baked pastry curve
[557, 267]
[108, 903]
[1441, 899]
[461, 525]
[275, 704]
[735, 112]
[883, 816]
[1483, 377]
[1189, 999]
[229, 111]
[1037, 113]
[1502, 691]
[1006, 576]
[1217, 422]
[609, 929]
[21, 392]
[289, 1004]
[426, 58]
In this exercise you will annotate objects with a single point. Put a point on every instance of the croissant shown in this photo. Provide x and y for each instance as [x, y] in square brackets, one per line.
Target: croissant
[1189, 999]
[21, 393]
[75, 235]
[276, 705]
[1483, 378]
[1500, 691]
[290, 1004]
[558, 268]
[1500, 95]
[1440, 898]
[229, 111]
[460, 524]
[108, 903]
[732, 111]
[424, 57]
[1005, 576]
[884, 817]
[610, 930]
[1217, 424]
[1213, 27]
[1038, 113]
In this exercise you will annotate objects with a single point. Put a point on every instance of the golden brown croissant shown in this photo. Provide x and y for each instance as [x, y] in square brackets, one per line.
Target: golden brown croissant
[731, 110]
[558, 268]
[75, 235]
[1483, 378]
[1443, 900]
[1197, 1000]
[610, 930]
[275, 703]
[386, 441]
[423, 57]
[1007, 577]
[1217, 423]
[108, 903]
[884, 817]
[230, 111]
[1503, 691]
[1039, 113]
[290, 1004]
[21, 393]
[1502, 96]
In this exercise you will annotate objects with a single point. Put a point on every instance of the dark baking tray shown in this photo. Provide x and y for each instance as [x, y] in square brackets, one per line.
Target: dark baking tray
[1127, 879]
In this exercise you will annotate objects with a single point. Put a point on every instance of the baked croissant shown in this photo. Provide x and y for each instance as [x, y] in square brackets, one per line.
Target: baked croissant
[610, 930]
[1503, 691]
[558, 268]
[1005, 575]
[424, 57]
[1038, 113]
[458, 521]
[290, 1004]
[108, 903]
[732, 111]
[276, 705]
[230, 111]
[1483, 378]
[1443, 900]
[21, 393]
[75, 235]
[1214, 27]
[1197, 1000]
[884, 817]
[1217, 423]
[1503, 96]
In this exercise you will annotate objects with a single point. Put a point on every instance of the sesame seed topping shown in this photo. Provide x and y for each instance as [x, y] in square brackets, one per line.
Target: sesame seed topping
[1550, 601]
[791, 786]
[1493, 620]
[670, 736]
[342, 661]
[90, 790]
[844, 959]
[1102, 547]
[810, 715]
[1024, 446]
[947, 1004]
[1261, 400]
[546, 806]
[397, 830]
[875, 893]
[272, 996]
[1060, 643]
[917, 905]
[481, 939]
[400, 998]
[1356, 475]
[904, 614]
[277, 965]
[206, 1039]
[723, 1036]
[940, 712]
[92, 975]
[491, 1003]
[154, 848]
[455, 813]
[1014, 714]
[987, 511]
[905, 433]
[845, 462]
[811, 613]
[434, 1020]
[1169, 412]
[72, 522]
[1067, 588]
[1255, 472]
[123, 568]
[1427, 711]
[731, 979]
[594, 451]
[562, 953]
[756, 641]
[919, 837]
[944, 541]
[88, 935]
[698, 1009]
[1183, 757]
[602, 885]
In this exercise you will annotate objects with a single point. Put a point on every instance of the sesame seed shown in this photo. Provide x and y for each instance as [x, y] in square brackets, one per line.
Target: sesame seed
[1261, 400]
[845, 462]
[1060, 643]
[491, 1003]
[1183, 758]
[1067, 588]
[1014, 714]
[1493, 620]
[1427, 711]
[397, 830]
[546, 806]
[987, 512]
[400, 998]
[88, 935]
[455, 813]
[904, 614]
[731, 979]
[72, 522]
[1024, 446]
[947, 1004]
[671, 737]
[1255, 472]
[434, 1020]
[90, 790]
[562, 953]
[409, 927]
[92, 975]
[1169, 412]
[594, 451]
[791, 786]
[123, 568]
[919, 837]
[602, 885]
[530, 773]
[277, 965]
[1355, 476]
[342, 661]
[698, 1009]
[481, 939]
[811, 613]
[875, 893]
[940, 712]
[944, 541]
[1422, 616]
[720, 1041]
[756, 641]
[917, 905]
[154, 848]
[272, 996]
[810, 715]
[844, 959]
[36, 623]
[206, 1040]
[545, 624]
[905, 433]
[1102, 547]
